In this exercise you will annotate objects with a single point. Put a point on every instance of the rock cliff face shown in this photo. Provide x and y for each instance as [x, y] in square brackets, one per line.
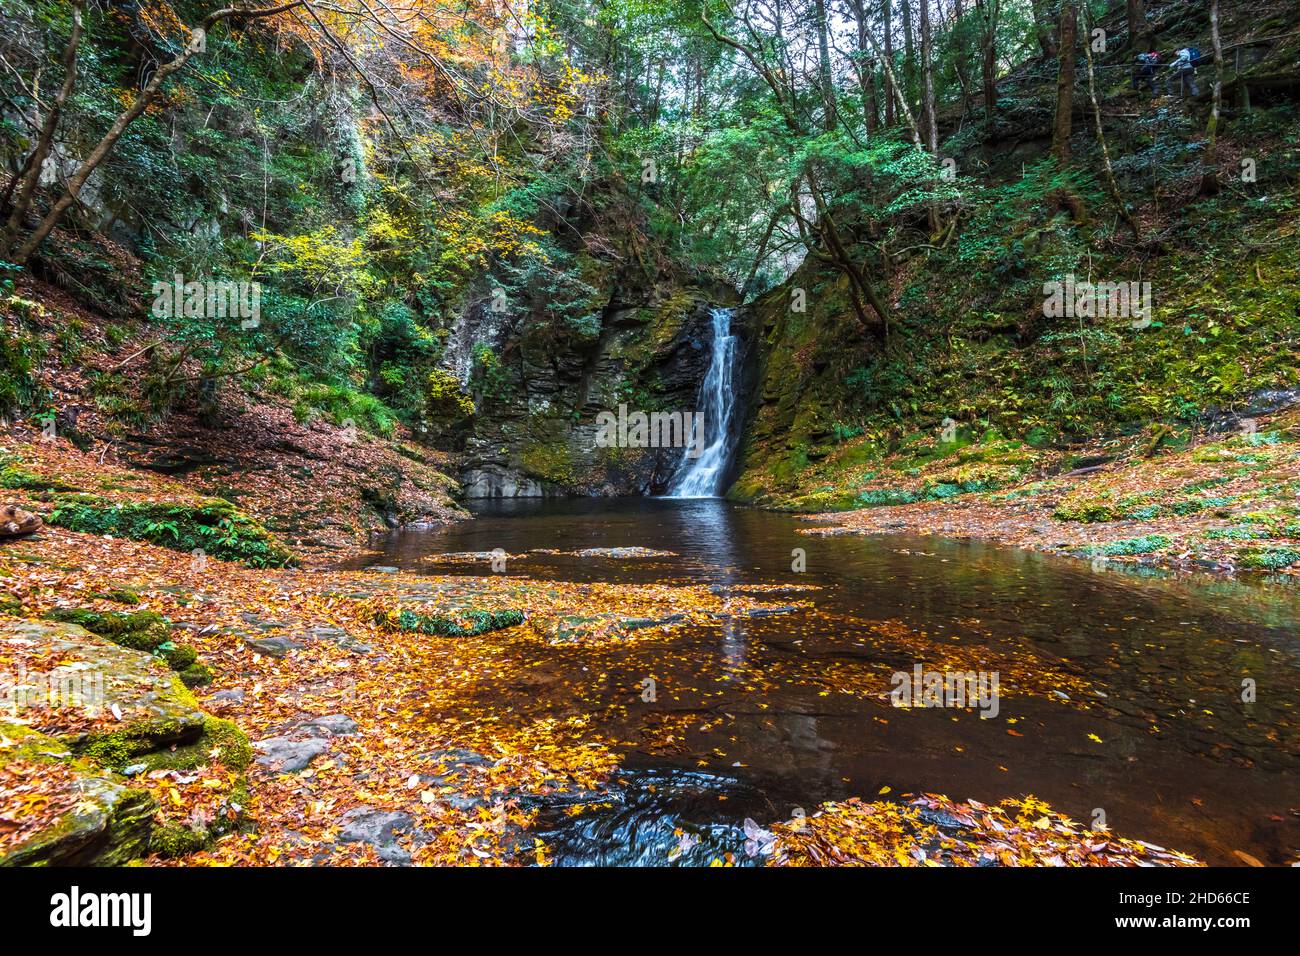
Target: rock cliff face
[534, 430]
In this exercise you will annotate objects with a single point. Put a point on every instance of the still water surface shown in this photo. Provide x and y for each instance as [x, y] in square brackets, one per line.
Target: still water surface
[1182, 762]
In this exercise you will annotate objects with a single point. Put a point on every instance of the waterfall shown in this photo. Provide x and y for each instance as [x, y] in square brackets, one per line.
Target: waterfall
[702, 477]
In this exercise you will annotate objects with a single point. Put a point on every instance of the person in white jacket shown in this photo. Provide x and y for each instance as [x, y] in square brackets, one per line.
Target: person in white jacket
[1184, 68]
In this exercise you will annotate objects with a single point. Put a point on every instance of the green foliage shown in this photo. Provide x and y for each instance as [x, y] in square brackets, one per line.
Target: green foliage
[216, 528]
[437, 625]
[1270, 558]
[1131, 546]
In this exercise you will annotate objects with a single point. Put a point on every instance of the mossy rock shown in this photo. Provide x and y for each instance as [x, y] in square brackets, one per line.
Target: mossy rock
[1088, 510]
[118, 596]
[138, 630]
[108, 823]
[551, 461]
[14, 478]
[1269, 558]
[1147, 544]
[463, 624]
[216, 528]
[217, 740]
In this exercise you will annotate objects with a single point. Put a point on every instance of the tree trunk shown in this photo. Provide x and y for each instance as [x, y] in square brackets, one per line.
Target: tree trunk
[1065, 80]
[824, 64]
[32, 169]
[886, 13]
[1137, 23]
[1210, 178]
[891, 81]
[866, 70]
[1043, 28]
[1112, 186]
[989, 11]
[909, 49]
[928, 118]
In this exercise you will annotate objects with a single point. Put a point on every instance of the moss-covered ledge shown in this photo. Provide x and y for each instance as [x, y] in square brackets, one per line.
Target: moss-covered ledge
[93, 717]
[213, 526]
[92, 817]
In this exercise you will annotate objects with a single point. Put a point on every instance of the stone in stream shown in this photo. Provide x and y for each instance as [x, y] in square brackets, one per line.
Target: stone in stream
[382, 829]
[273, 646]
[300, 743]
[283, 755]
[331, 725]
[335, 635]
[569, 628]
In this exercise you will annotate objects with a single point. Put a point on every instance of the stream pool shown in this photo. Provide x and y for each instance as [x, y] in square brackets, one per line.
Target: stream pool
[1120, 693]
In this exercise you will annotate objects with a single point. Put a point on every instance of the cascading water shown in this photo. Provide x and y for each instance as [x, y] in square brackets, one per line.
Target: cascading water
[702, 476]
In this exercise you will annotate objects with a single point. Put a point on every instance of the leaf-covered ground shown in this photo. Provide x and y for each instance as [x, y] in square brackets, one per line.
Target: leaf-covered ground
[1228, 503]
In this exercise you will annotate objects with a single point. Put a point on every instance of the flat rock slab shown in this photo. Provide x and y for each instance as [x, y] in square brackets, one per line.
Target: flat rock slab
[283, 755]
[334, 635]
[382, 829]
[106, 823]
[273, 646]
[616, 553]
[300, 743]
[574, 628]
[154, 706]
[331, 725]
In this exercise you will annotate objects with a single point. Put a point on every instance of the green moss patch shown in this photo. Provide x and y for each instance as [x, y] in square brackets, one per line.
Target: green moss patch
[216, 528]
[140, 631]
[462, 624]
[1146, 544]
[1269, 558]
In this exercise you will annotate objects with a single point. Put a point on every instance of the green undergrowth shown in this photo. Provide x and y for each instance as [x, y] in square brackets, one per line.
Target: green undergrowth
[463, 624]
[215, 528]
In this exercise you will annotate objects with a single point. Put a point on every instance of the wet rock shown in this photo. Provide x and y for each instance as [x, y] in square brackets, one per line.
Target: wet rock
[771, 611]
[618, 553]
[235, 696]
[335, 635]
[382, 829]
[332, 725]
[570, 628]
[460, 758]
[383, 569]
[272, 646]
[285, 755]
[462, 801]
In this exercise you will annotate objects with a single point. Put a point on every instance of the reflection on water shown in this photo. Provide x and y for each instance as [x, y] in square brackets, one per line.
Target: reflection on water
[1181, 761]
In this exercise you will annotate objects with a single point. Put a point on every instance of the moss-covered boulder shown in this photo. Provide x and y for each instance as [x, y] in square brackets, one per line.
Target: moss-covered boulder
[215, 527]
[133, 718]
[141, 631]
[86, 816]
[459, 623]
